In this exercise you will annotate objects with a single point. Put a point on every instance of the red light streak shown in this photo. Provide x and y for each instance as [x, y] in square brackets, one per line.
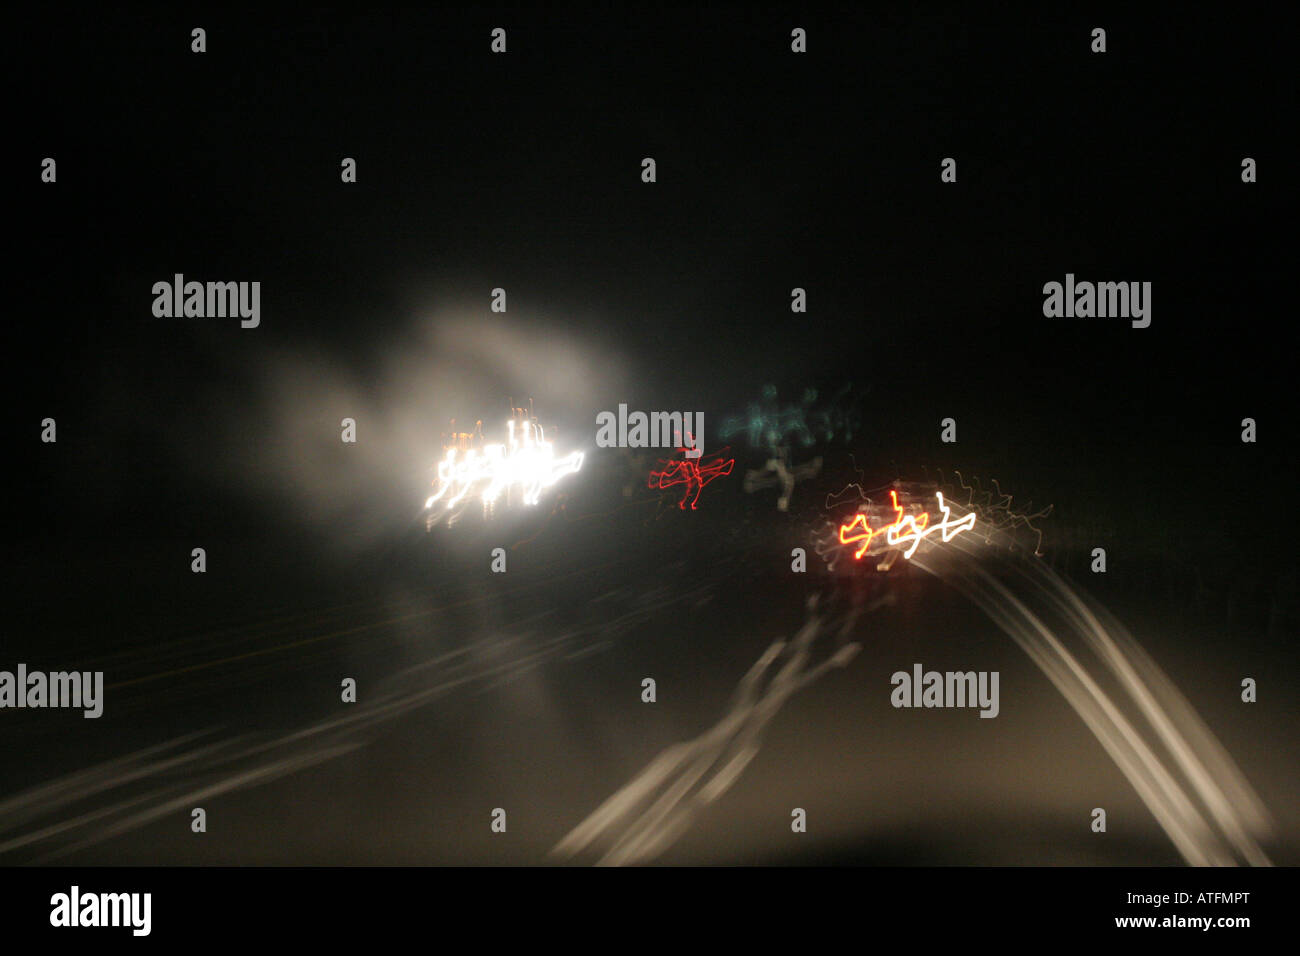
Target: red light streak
[694, 473]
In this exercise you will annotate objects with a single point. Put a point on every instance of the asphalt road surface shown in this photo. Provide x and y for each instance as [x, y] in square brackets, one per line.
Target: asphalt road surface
[522, 691]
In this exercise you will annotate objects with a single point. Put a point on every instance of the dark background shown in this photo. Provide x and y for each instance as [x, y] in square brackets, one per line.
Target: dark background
[775, 170]
[522, 171]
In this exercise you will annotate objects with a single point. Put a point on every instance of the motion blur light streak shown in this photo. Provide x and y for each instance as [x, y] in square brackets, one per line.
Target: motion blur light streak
[778, 429]
[51, 821]
[527, 461]
[769, 425]
[657, 806]
[1201, 788]
[1179, 770]
[1211, 790]
[999, 516]
[777, 471]
[691, 473]
[894, 534]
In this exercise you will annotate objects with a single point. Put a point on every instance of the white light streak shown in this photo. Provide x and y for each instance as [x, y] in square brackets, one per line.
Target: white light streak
[527, 463]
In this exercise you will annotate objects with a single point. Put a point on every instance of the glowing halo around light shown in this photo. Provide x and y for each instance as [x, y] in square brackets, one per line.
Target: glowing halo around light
[527, 463]
[905, 529]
